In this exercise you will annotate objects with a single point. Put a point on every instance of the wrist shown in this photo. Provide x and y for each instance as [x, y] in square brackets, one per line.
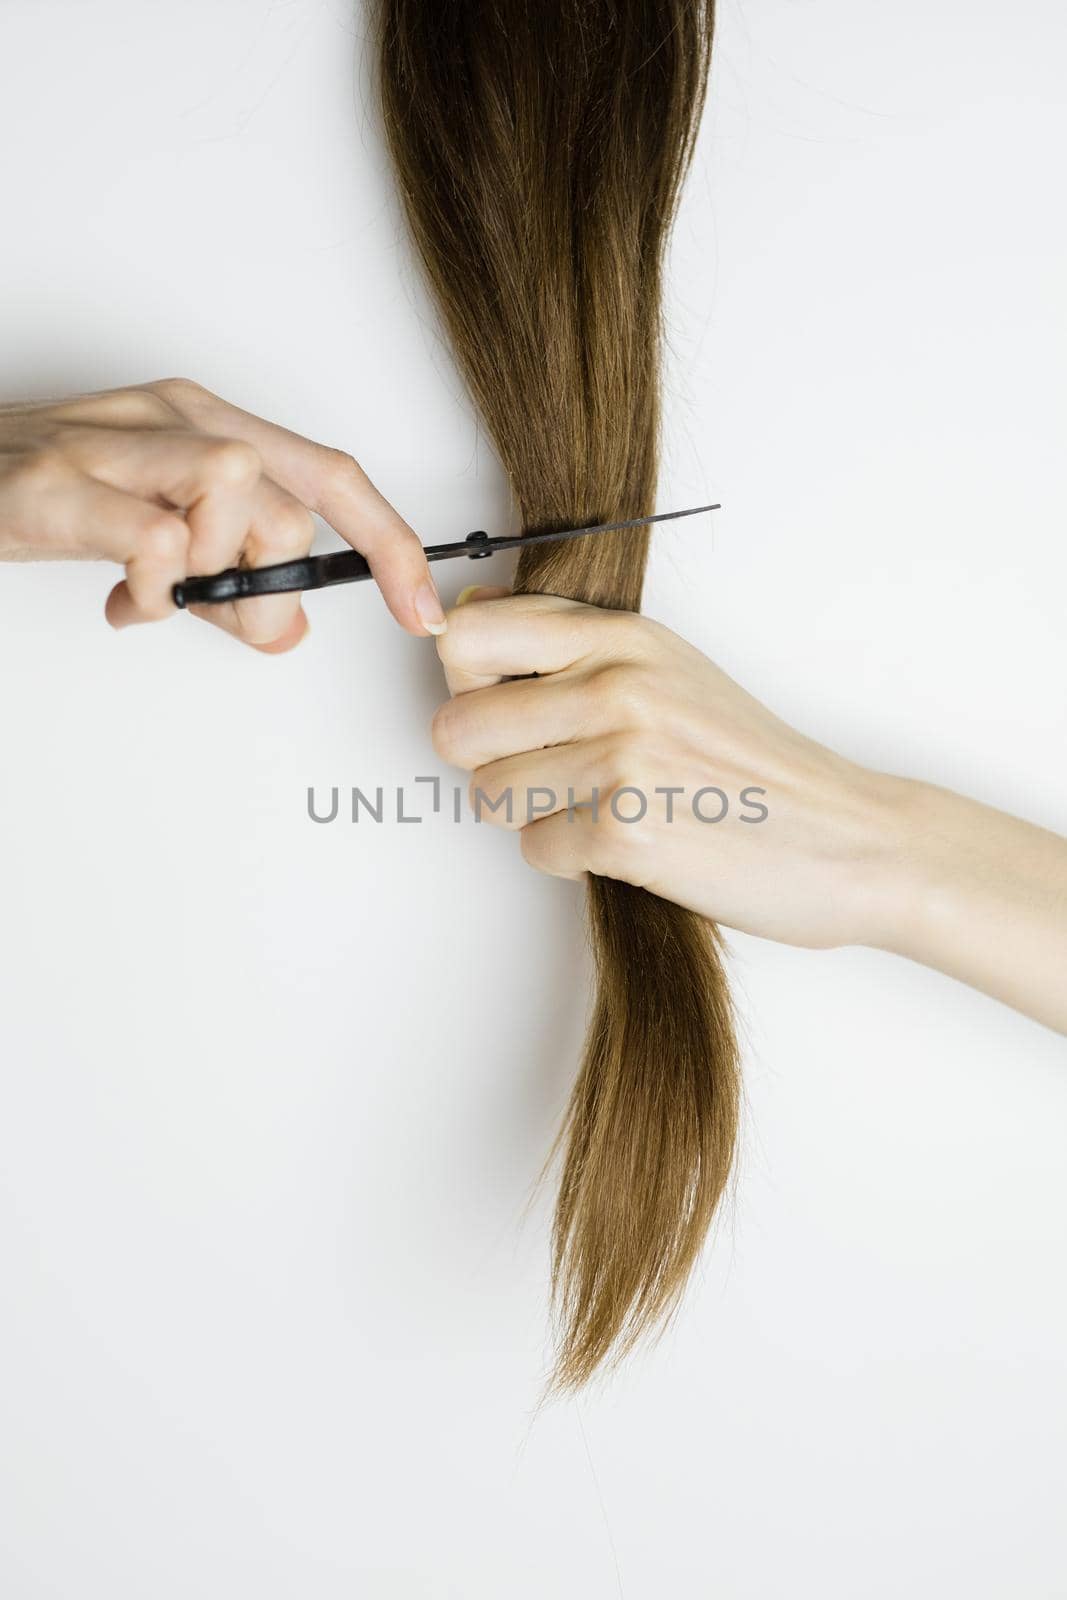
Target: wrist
[910, 850]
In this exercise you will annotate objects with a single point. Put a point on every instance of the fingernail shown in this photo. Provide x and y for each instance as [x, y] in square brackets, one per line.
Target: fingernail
[429, 609]
[464, 594]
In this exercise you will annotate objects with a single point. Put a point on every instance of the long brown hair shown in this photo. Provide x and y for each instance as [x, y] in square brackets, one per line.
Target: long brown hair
[540, 146]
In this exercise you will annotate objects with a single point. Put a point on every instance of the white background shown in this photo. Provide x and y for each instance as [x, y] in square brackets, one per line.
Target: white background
[273, 1095]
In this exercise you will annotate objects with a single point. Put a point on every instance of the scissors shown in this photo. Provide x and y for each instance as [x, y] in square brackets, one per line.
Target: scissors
[348, 566]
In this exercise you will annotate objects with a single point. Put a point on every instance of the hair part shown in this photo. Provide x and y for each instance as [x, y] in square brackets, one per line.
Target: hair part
[540, 146]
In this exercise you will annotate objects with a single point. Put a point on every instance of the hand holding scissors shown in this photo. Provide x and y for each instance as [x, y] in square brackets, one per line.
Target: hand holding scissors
[171, 482]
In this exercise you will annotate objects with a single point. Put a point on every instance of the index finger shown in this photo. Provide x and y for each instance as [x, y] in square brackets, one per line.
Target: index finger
[334, 485]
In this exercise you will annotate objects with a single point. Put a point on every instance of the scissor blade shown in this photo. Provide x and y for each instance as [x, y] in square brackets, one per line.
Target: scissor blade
[477, 546]
[601, 527]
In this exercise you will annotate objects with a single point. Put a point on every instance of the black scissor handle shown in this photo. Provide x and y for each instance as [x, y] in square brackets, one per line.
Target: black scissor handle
[311, 572]
[286, 577]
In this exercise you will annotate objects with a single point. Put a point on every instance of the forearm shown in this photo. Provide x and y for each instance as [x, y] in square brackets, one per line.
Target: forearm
[981, 896]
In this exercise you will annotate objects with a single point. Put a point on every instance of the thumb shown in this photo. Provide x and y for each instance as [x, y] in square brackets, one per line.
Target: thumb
[482, 591]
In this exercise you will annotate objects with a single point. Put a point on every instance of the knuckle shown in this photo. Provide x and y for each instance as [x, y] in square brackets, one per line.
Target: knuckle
[537, 850]
[610, 844]
[628, 757]
[446, 646]
[151, 409]
[292, 529]
[233, 462]
[630, 692]
[179, 392]
[38, 469]
[164, 540]
[445, 732]
[550, 849]
[340, 469]
[454, 646]
[152, 599]
[623, 833]
[407, 541]
[133, 408]
[628, 630]
[491, 800]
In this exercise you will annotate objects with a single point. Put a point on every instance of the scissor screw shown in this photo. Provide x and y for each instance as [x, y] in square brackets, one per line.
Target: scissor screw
[478, 538]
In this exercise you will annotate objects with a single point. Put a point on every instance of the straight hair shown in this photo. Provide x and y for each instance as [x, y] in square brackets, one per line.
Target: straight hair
[540, 146]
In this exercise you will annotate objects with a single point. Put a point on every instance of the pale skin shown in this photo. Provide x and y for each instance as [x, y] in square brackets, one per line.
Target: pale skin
[169, 480]
[844, 856]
